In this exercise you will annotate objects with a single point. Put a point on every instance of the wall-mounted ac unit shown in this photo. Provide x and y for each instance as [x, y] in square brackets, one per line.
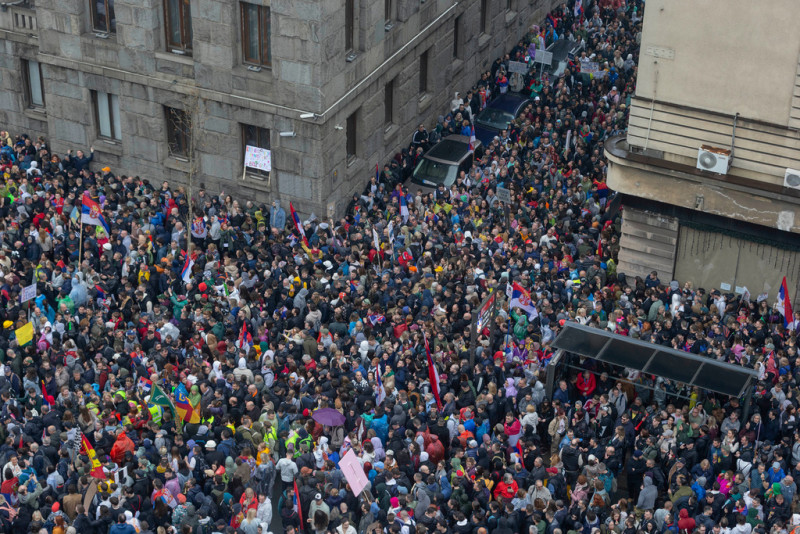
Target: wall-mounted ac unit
[713, 159]
[791, 179]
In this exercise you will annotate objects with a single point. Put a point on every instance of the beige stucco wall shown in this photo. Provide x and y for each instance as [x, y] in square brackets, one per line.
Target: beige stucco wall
[729, 56]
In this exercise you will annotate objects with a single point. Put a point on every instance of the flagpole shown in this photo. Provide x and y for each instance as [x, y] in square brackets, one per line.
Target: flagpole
[80, 248]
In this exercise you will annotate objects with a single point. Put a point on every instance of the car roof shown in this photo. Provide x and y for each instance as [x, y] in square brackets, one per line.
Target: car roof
[508, 102]
[452, 148]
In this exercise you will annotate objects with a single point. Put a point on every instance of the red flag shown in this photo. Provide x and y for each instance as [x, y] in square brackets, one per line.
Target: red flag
[599, 248]
[433, 375]
[298, 224]
[49, 399]
[88, 450]
[299, 506]
[21, 443]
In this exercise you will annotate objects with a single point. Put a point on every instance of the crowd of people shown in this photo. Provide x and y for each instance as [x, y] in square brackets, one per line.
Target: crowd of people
[256, 331]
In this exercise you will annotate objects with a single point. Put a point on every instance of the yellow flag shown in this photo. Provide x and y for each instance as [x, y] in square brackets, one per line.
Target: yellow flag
[24, 333]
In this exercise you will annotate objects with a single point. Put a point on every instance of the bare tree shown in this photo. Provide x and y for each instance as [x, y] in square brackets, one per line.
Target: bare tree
[186, 142]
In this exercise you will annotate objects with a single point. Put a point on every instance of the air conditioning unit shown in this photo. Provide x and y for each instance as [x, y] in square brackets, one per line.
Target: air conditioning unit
[791, 180]
[713, 159]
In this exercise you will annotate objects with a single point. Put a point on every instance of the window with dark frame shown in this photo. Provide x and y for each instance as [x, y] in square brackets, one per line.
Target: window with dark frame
[484, 15]
[387, 11]
[457, 37]
[423, 72]
[256, 34]
[258, 137]
[34, 83]
[103, 17]
[178, 16]
[349, 25]
[352, 136]
[388, 103]
[106, 107]
[179, 132]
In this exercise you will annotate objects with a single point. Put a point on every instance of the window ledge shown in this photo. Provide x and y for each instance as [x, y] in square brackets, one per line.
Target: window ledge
[39, 114]
[108, 146]
[257, 182]
[389, 133]
[351, 160]
[483, 40]
[176, 163]
[510, 16]
[424, 102]
[106, 37]
[457, 64]
[185, 59]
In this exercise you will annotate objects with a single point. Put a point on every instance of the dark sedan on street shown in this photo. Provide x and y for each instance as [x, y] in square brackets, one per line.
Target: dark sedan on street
[500, 111]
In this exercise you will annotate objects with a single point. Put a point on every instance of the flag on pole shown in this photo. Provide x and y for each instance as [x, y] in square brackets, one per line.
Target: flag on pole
[380, 393]
[88, 450]
[433, 375]
[49, 399]
[298, 224]
[159, 398]
[298, 506]
[186, 273]
[92, 214]
[377, 174]
[599, 248]
[784, 305]
[183, 406]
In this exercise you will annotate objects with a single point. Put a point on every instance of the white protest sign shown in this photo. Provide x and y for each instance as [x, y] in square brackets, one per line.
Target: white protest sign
[258, 158]
[590, 67]
[518, 66]
[353, 472]
[28, 293]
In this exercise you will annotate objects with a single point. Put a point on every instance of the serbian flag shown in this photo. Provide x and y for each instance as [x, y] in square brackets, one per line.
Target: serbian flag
[784, 305]
[380, 391]
[298, 224]
[520, 298]
[49, 399]
[377, 173]
[88, 450]
[433, 375]
[144, 384]
[92, 214]
[186, 272]
[183, 406]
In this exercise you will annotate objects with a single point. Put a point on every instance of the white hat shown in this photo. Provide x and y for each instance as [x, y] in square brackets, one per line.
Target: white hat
[211, 444]
[328, 265]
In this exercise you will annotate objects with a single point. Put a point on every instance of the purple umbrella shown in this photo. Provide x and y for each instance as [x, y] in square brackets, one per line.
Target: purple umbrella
[328, 417]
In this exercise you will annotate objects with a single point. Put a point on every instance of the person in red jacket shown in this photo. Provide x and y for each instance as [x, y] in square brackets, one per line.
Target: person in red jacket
[686, 523]
[506, 489]
[121, 446]
[586, 384]
[435, 450]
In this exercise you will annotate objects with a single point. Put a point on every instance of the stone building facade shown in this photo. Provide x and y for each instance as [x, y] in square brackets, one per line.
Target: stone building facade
[332, 87]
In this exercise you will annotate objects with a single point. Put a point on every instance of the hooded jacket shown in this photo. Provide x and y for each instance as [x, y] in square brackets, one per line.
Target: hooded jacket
[647, 497]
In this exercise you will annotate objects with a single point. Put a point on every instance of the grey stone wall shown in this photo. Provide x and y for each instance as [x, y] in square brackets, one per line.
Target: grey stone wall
[308, 74]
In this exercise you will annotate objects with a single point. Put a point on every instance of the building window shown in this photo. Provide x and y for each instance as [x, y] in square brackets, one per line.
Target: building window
[388, 6]
[255, 34]
[103, 19]
[484, 15]
[179, 25]
[258, 137]
[349, 25]
[179, 132]
[457, 37]
[107, 112]
[423, 72]
[352, 137]
[388, 102]
[34, 83]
